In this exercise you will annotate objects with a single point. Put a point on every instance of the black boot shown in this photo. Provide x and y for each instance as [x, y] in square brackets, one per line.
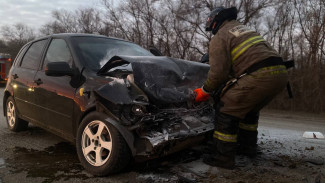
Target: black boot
[247, 143]
[248, 150]
[247, 136]
[225, 139]
[210, 148]
[223, 160]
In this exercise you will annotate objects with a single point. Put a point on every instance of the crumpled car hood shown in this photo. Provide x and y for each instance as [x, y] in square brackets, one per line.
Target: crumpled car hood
[163, 79]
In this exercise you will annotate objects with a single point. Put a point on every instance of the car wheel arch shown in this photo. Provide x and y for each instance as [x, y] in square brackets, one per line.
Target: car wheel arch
[6, 95]
[15, 123]
[126, 134]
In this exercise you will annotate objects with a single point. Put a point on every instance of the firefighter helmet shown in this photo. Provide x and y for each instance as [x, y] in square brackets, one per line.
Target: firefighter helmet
[218, 16]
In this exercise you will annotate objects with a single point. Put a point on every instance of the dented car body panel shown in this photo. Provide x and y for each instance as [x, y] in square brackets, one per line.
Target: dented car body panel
[122, 91]
[163, 79]
[148, 99]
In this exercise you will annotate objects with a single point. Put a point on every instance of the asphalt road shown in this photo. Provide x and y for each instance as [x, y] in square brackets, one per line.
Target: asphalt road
[36, 155]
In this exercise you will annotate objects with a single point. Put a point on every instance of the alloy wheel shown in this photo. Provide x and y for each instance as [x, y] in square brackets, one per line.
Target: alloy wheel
[96, 143]
[11, 114]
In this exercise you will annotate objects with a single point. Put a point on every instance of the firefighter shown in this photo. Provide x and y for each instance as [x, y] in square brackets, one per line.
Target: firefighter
[258, 75]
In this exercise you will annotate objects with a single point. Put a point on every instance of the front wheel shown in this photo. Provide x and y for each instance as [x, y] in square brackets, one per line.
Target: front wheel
[14, 123]
[101, 148]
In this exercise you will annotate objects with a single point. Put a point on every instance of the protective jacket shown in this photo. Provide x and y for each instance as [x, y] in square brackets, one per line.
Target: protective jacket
[232, 51]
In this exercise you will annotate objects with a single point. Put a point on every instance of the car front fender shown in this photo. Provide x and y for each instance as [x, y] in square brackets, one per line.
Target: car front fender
[127, 135]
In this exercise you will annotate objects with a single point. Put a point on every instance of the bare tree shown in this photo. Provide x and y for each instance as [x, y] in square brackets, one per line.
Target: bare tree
[15, 37]
[3, 46]
[87, 20]
[18, 32]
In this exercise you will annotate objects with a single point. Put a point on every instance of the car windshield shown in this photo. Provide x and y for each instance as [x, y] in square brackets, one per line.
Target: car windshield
[96, 51]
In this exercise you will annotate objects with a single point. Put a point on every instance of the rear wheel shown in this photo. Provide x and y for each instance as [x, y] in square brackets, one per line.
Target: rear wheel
[14, 123]
[101, 148]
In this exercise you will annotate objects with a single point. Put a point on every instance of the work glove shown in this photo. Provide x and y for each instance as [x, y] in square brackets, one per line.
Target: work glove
[201, 95]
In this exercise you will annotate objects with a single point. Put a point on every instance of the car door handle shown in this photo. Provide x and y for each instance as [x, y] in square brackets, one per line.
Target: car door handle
[38, 82]
[15, 76]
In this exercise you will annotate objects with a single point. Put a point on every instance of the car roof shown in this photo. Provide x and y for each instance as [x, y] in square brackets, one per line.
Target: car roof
[68, 35]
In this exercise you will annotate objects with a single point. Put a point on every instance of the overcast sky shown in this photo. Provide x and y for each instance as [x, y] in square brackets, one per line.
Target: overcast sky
[36, 13]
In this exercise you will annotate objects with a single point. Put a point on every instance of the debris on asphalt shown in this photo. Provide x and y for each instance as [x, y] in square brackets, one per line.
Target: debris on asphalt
[313, 135]
[310, 148]
[151, 177]
[2, 163]
[182, 179]
[197, 168]
[315, 161]
[318, 178]
[286, 161]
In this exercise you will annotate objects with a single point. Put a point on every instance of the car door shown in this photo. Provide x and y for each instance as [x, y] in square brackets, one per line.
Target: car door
[23, 79]
[55, 95]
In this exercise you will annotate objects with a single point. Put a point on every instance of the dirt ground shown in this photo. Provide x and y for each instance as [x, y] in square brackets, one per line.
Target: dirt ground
[38, 156]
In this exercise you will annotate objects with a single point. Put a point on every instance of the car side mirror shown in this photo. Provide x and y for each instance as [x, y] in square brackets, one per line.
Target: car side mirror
[155, 51]
[58, 69]
[205, 58]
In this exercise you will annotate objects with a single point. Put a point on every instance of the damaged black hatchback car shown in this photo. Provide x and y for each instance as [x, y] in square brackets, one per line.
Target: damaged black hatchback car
[115, 100]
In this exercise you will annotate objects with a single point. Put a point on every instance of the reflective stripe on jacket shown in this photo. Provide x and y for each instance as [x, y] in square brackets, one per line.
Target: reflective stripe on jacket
[232, 50]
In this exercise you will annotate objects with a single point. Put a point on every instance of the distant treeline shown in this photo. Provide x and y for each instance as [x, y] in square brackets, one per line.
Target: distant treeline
[295, 28]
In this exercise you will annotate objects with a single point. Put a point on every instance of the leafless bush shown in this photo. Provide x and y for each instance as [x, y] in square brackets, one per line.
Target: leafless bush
[14, 37]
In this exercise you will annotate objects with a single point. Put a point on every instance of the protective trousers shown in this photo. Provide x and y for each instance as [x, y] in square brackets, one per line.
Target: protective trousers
[253, 91]
[237, 119]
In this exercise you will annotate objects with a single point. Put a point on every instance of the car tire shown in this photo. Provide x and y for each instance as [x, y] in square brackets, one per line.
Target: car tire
[101, 149]
[13, 121]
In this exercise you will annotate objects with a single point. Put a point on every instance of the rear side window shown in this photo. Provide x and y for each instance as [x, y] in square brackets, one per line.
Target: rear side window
[58, 51]
[33, 55]
[20, 55]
